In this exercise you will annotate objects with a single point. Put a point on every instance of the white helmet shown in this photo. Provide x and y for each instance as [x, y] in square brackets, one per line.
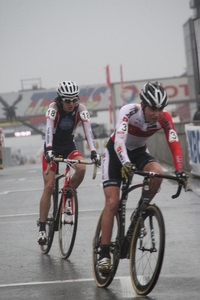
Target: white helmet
[154, 95]
[67, 89]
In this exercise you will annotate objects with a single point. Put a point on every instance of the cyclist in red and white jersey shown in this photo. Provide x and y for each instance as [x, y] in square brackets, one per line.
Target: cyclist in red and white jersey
[62, 118]
[127, 146]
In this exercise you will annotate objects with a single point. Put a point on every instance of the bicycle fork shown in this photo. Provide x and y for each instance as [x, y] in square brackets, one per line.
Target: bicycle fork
[143, 231]
[67, 208]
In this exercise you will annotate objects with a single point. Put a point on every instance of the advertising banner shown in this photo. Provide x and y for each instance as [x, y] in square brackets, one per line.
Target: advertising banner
[193, 143]
[177, 90]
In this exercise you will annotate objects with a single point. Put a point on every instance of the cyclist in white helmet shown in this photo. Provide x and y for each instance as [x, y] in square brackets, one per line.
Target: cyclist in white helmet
[62, 118]
[127, 147]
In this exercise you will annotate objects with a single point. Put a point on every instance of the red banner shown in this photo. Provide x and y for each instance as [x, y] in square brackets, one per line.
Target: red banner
[109, 92]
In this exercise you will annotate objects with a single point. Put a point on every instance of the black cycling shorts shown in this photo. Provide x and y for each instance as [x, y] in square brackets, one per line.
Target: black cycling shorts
[111, 167]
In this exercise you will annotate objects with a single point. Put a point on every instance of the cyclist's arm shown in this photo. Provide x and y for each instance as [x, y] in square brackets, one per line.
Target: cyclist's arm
[172, 140]
[85, 119]
[51, 115]
[121, 132]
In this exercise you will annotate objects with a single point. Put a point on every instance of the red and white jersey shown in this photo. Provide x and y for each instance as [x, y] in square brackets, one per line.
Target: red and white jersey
[61, 126]
[132, 131]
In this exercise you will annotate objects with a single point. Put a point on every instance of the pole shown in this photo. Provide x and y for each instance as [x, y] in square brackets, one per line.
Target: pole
[109, 93]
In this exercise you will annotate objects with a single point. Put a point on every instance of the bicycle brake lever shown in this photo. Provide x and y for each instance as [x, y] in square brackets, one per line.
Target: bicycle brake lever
[94, 171]
[178, 192]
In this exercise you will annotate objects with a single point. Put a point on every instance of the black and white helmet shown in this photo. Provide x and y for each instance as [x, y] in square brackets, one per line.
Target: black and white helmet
[154, 95]
[68, 89]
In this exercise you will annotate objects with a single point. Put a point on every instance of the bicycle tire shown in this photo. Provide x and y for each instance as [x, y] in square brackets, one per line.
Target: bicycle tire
[49, 228]
[146, 261]
[100, 280]
[67, 227]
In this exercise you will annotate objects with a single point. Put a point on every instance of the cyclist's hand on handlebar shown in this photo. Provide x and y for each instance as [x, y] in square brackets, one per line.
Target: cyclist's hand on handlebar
[49, 155]
[96, 158]
[127, 170]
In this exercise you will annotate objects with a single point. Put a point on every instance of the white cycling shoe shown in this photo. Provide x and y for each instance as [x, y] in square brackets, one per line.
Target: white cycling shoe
[104, 266]
[42, 238]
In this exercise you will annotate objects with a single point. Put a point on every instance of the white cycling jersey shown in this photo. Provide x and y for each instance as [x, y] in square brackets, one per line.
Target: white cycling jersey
[132, 131]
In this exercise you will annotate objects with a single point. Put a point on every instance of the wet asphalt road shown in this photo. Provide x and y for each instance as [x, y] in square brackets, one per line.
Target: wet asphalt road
[25, 273]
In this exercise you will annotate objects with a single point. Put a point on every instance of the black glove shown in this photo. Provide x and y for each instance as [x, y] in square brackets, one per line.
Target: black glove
[95, 158]
[49, 155]
[181, 174]
[127, 170]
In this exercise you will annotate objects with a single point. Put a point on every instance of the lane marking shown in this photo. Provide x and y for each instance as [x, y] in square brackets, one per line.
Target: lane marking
[37, 214]
[40, 189]
[123, 280]
[45, 282]
[15, 191]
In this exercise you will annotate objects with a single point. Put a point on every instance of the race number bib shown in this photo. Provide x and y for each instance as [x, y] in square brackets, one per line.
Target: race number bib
[173, 137]
[51, 113]
[123, 128]
[85, 116]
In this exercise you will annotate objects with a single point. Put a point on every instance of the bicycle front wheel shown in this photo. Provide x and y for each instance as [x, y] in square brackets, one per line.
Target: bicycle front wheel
[68, 222]
[147, 250]
[49, 227]
[105, 280]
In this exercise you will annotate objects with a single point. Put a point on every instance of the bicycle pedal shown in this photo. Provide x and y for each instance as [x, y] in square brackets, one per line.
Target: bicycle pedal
[105, 274]
[43, 243]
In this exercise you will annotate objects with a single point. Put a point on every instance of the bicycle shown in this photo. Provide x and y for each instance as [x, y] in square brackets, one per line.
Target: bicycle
[144, 241]
[63, 214]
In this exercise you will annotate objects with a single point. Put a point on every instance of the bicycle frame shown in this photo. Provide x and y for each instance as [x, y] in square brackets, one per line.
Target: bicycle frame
[125, 239]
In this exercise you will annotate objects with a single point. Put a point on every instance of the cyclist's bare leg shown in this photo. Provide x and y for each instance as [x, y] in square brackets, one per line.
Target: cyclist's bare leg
[79, 174]
[46, 195]
[110, 209]
[154, 182]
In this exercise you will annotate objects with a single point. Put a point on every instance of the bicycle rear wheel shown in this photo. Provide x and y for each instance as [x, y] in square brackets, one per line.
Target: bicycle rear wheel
[104, 281]
[146, 253]
[49, 228]
[68, 222]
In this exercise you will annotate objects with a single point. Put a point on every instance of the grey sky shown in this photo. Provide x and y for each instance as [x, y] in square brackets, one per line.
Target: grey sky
[59, 40]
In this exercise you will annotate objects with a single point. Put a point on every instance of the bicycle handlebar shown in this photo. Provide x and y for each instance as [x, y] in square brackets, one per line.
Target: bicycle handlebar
[182, 182]
[72, 162]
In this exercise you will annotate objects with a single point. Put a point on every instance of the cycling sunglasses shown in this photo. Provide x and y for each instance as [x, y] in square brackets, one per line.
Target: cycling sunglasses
[67, 100]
